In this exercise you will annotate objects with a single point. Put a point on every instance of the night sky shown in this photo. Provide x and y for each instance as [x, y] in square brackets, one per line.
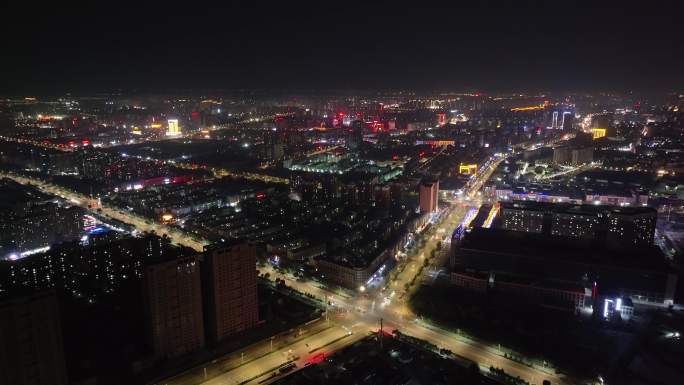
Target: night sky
[340, 45]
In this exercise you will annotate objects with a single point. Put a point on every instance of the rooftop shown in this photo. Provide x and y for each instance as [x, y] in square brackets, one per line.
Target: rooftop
[550, 247]
[577, 209]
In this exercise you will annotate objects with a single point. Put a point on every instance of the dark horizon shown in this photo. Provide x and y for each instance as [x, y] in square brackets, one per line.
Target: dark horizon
[96, 48]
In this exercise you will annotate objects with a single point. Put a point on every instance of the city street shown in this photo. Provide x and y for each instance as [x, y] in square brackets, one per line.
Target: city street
[259, 361]
[360, 313]
[141, 224]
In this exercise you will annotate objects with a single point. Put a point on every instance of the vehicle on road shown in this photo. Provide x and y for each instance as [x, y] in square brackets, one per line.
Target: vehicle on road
[287, 368]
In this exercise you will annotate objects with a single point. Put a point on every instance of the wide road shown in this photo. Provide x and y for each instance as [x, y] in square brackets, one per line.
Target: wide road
[140, 223]
[259, 362]
[392, 304]
[351, 312]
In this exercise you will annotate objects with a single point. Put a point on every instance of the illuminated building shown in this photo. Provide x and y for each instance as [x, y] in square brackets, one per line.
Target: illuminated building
[530, 108]
[230, 289]
[436, 143]
[31, 345]
[614, 226]
[554, 120]
[174, 128]
[441, 118]
[173, 305]
[273, 147]
[360, 267]
[631, 226]
[467, 169]
[97, 264]
[598, 133]
[429, 197]
[518, 217]
[576, 224]
[30, 220]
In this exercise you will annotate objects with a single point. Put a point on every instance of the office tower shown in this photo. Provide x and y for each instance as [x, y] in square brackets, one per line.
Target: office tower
[274, 147]
[554, 121]
[429, 196]
[31, 349]
[230, 289]
[174, 129]
[173, 299]
[356, 135]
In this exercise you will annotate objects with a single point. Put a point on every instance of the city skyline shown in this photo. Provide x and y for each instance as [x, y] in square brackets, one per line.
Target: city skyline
[339, 193]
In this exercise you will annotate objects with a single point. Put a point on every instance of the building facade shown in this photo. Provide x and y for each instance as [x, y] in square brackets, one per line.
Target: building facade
[173, 298]
[230, 289]
[31, 347]
[429, 197]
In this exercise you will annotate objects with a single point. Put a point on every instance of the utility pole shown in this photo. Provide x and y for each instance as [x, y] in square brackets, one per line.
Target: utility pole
[326, 307]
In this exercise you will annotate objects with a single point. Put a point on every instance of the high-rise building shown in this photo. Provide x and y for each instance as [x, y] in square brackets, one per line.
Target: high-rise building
[274, 147]
[356, 135]
[429, 196]
[554, 121]
[174, 128]
[31, 348]
[173, 298]
[230, 289]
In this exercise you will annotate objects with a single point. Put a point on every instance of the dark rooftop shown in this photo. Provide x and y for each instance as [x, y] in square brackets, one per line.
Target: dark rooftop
[550, 247]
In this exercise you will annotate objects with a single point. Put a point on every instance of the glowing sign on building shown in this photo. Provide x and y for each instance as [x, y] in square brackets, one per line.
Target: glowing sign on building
[598, 132]
[467, 169]
[174, 129]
